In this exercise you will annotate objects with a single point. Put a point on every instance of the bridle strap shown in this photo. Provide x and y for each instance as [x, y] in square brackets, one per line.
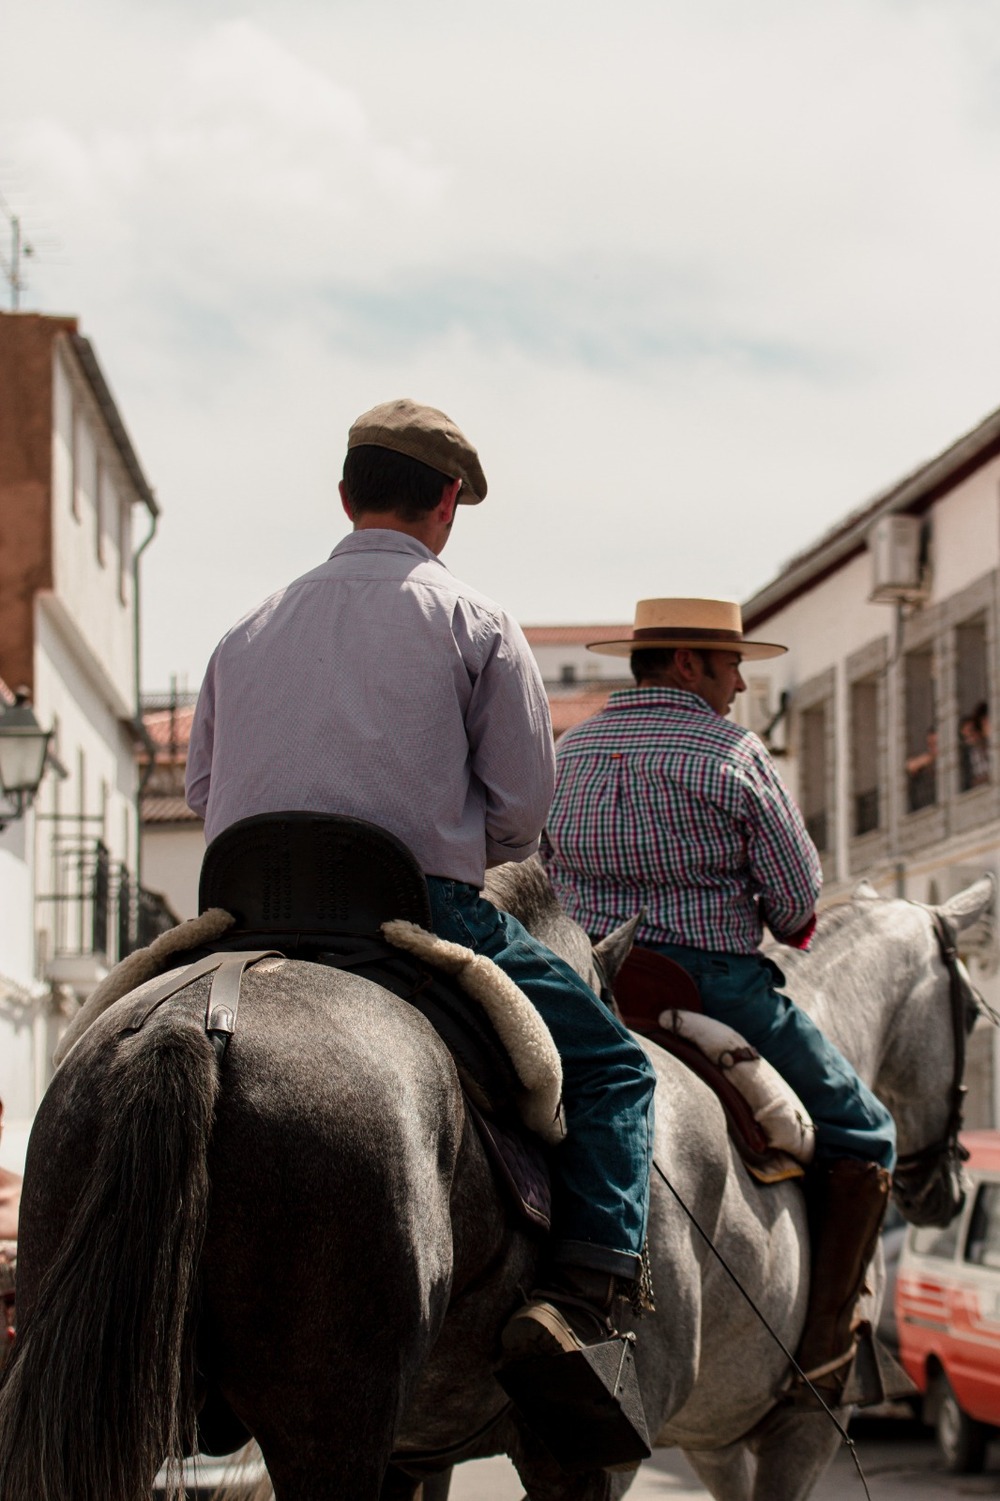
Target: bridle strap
[948, 949]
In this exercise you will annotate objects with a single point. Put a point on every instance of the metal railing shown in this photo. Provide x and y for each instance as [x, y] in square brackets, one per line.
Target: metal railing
[95, 904]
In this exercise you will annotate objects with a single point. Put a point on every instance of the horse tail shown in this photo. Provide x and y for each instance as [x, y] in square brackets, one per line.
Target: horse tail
[100, 1388]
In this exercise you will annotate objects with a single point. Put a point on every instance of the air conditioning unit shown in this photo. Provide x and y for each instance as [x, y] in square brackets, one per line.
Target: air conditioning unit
[894, 544]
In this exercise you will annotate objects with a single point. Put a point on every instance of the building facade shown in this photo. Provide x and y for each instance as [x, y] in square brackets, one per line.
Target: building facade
[76, 512]
[880, 713]
[173, 838]
[578, 682]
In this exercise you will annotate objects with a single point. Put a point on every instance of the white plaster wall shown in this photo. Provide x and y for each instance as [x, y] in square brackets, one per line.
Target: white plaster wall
[20, 995]
[966, 533]
[90, 588]
[171, 864]
[16, 865]
[66, 691]
[17, 1014]
[588, 665]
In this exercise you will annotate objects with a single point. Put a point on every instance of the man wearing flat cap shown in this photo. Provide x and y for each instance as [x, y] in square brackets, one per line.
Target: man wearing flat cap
[380, 687]
[661, 802]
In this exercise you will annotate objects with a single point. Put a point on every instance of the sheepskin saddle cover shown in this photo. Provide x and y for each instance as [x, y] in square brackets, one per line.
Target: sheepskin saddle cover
[767, 1121]
[502, 1047]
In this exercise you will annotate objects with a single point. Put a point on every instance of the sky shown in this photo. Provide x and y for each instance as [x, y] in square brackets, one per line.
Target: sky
[697, 277]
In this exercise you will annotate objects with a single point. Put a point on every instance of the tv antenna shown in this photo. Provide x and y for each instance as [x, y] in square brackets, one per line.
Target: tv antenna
[20, 249]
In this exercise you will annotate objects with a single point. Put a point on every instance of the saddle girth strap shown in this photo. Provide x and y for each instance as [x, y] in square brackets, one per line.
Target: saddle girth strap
[221, 1010]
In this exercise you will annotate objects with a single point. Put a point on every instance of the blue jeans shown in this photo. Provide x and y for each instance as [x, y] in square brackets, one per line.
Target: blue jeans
[601, 1170]
[742, 991]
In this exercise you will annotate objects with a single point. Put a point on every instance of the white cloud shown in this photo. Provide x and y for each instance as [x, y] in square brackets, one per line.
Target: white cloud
[696, 276]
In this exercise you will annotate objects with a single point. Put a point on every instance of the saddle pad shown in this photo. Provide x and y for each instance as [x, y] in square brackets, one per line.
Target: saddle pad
[652, 990]
[518, 1025]
[776, 1107]
[520, 1168]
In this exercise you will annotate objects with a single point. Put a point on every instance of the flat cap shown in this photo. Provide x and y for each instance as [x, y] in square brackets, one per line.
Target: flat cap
[425, 434]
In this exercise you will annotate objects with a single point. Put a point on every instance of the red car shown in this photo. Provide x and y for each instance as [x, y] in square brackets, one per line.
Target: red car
[948, 1314]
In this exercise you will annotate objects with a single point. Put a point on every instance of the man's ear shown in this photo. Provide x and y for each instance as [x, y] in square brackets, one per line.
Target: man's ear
[449, 500]
[686, 663]
[345, 502]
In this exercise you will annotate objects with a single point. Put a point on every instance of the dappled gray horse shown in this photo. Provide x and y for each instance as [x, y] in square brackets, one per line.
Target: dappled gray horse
[310, 1239]
[875, 982]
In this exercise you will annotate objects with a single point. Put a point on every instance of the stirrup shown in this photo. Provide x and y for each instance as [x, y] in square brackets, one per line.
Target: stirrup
[798, 1391]
[584, 1405]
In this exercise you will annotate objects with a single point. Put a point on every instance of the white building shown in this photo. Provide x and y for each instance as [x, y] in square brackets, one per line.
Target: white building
[75, 513]
[881, 709]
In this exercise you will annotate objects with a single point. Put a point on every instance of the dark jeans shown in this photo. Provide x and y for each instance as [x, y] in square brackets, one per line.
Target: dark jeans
[602, 1167]
[742, 991]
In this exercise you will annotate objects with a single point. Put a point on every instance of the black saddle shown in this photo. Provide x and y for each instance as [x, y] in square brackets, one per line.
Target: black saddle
[313, 874]
[319, 887]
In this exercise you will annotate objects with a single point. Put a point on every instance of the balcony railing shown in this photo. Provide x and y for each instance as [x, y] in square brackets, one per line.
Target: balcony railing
[95, 906]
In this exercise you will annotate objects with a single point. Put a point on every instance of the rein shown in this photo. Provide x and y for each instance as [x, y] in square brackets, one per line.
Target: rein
[914, 1169]
[845, 1436]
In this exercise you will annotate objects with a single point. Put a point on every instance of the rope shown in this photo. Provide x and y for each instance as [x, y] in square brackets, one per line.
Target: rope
[845, 1436]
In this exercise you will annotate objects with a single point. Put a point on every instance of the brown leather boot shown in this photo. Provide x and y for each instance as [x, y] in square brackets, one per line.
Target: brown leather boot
[848, 1203]
[574, 1311]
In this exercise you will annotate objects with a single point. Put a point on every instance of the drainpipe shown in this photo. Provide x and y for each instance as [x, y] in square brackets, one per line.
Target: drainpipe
[143, 733]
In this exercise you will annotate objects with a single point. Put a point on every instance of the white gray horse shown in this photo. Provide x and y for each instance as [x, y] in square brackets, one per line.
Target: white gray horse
[307, 1243]
[712, 1375]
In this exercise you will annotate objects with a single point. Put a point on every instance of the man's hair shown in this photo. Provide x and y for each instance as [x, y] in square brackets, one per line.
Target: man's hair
[648, 661]
[380, 480]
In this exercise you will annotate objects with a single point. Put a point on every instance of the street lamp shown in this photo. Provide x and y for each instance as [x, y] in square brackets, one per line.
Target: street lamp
[23, 748]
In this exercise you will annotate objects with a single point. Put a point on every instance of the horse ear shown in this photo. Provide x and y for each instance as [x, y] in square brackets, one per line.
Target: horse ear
[971, 904]
[864, 891]
[613, 949]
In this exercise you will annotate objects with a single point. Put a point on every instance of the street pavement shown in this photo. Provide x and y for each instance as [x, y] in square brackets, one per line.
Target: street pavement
[898, 1458]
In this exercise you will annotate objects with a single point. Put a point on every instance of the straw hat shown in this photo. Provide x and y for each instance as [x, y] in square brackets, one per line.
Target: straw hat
[709, 624]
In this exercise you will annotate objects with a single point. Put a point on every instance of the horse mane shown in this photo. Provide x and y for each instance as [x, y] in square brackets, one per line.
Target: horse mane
[524, 890]
[833, 918]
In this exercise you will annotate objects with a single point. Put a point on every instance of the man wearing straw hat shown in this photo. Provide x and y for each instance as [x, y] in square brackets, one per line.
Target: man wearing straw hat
[661, 802]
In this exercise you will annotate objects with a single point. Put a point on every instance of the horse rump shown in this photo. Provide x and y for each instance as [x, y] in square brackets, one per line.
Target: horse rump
[100, 1389]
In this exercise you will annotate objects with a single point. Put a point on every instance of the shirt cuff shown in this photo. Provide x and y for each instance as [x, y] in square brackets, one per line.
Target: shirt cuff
[802, 938]
[499, 854]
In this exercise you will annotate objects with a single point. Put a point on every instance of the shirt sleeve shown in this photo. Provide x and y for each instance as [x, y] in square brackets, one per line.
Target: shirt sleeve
[784, 863]
[510, 742]
[198, 776]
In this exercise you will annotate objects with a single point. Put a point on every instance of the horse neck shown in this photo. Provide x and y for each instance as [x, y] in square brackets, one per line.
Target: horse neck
[878, 990]
[868, 983]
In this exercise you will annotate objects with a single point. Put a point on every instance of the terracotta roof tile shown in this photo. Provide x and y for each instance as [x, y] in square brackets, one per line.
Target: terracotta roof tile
[573, 708]
[573, 635]
[165, 725]
[167, 810]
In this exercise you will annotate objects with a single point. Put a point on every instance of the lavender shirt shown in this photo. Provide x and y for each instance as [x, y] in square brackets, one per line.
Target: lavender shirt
[379, 686]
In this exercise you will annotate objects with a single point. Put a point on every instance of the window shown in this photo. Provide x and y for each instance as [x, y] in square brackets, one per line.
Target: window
[814, 780]
[973, 704]
[921, 731]
[567, 673]
[983, 1245]
[864, 756]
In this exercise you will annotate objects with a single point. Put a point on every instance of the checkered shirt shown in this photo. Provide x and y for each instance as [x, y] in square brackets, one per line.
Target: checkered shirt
[662, 803]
